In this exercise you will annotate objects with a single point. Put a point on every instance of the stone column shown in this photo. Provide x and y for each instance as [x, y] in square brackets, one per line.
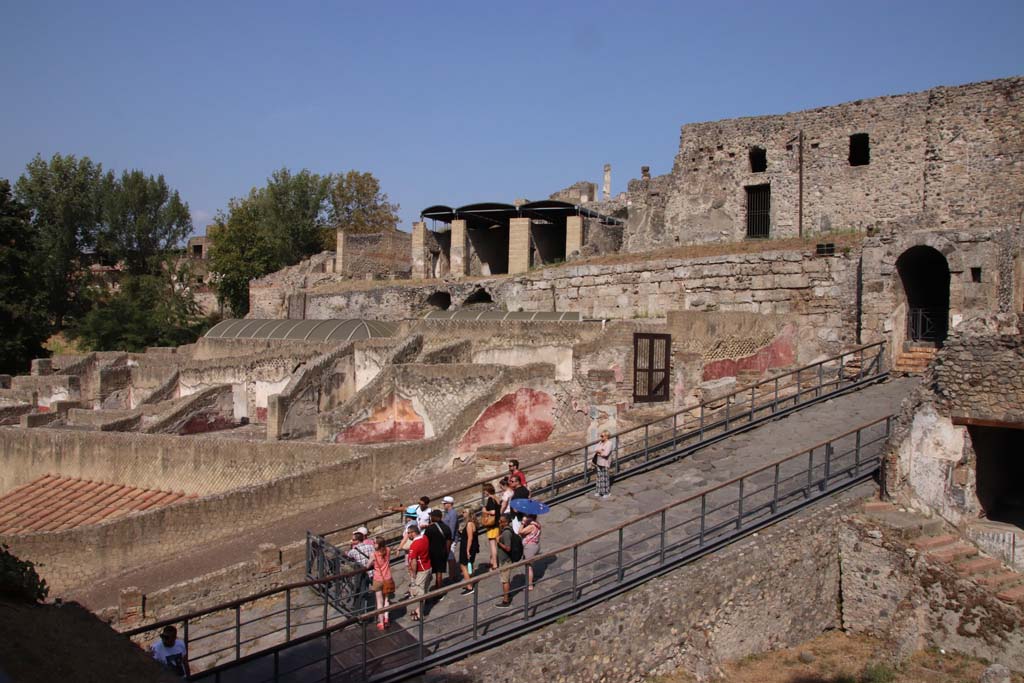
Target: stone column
[518, 245]
[573, 234]
[606, 192]
[419, 265]
[339, 252]
[459, 257]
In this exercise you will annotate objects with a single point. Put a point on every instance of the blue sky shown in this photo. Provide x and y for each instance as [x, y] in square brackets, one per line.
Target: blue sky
[452, 102]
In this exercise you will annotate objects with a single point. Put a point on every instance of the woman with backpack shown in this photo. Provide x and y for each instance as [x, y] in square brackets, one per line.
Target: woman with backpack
[530, 531]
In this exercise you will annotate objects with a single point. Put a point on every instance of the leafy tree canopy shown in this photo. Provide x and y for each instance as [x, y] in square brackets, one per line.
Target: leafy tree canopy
[293, 217]
[23, 320]
[143, 220]
[145, 310]
[63, 196]
[359, 206]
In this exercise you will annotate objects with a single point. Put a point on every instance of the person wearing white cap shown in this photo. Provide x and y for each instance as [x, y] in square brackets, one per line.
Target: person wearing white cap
[451, 520]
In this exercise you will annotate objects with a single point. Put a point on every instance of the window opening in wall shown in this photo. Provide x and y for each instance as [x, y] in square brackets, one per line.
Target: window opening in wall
[651, 355]
[759, 209]
[197, 250]
[860, 150]
[825, 249]
[815, 145]
[924, 274]
[440, 300]
[758, 160]
[975, 274]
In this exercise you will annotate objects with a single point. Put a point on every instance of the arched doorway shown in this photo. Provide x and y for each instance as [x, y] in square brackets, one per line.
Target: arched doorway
[924, 274]
[440, 300]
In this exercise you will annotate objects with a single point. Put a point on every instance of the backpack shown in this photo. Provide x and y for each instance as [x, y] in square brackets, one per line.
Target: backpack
[516, 552]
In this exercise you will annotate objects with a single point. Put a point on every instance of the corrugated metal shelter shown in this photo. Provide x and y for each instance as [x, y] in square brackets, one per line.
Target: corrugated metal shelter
[302, 330]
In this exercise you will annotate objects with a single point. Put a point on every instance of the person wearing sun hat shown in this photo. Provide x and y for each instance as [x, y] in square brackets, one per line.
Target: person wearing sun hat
[450, 518]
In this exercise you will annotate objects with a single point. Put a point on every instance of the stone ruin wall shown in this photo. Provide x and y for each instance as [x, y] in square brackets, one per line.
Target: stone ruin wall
[949, 157]
[822, 569]
[374, 255]
[977, 378]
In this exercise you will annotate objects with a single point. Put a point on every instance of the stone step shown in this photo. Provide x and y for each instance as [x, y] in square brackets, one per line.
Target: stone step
[906, 524]
[1015, 594]
[953, 552]
[930, 542]
[878, 506]
[978, 565]
[1002, 580]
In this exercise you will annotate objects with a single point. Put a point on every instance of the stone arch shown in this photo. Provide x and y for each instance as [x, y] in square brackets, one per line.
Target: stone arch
[440, 300]
[924, 278]
[479, 296]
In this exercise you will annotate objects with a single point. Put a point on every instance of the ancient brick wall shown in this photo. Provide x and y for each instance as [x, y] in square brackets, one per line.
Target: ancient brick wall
[950, 155]
[379, 254]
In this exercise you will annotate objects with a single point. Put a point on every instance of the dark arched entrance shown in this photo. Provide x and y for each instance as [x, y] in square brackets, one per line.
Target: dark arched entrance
[925, 277]
[440, 300]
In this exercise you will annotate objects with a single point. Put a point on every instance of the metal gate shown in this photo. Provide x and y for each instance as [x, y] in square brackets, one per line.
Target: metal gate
[350, 593]
[759, 210]
[651, 354]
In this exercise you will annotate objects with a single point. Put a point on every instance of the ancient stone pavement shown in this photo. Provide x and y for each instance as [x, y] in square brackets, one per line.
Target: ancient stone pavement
[577, 519]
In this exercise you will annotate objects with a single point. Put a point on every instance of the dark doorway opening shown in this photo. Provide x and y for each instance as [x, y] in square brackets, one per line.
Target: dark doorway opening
[440, 300]
[860, 149]
[651, 357]
[1000, 472]
[548, 240]
[479, 296]
[490, 246]
[759, 211]
[924, 274]
[758, 160]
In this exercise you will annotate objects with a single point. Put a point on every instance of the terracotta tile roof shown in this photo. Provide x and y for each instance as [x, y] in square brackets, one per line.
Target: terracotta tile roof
[55, 503]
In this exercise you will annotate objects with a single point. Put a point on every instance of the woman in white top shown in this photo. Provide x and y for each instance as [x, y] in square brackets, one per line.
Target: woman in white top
[602, 461]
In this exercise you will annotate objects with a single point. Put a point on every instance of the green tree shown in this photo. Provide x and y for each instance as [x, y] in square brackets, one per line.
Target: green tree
[23, 320]
[63, 196]
[359, 206]
[145, 310]
[273, 227]
[143, 221]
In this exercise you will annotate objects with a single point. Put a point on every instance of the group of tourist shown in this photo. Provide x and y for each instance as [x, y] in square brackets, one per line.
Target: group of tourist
[444, 541]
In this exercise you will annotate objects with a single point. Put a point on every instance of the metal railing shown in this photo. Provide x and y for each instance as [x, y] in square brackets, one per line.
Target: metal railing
[334, 592]
[639, 449]
[927, 324]
[571, 578]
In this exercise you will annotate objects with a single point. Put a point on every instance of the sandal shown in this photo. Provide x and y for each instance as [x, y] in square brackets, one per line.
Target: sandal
[414, 617]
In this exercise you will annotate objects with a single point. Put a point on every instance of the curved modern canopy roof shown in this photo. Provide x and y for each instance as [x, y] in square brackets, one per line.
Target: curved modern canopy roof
[467, 314]
[488, 214]
[302, 330]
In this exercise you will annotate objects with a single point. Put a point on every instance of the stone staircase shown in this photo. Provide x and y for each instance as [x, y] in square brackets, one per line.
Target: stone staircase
[914, 360]
[930, 537]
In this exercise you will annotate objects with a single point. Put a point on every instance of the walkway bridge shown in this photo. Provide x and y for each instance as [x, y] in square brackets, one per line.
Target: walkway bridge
[681, 491]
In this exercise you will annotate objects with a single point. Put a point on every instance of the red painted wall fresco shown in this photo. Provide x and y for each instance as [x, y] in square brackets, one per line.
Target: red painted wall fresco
[394, 420]
[779, 354]
[526, 416]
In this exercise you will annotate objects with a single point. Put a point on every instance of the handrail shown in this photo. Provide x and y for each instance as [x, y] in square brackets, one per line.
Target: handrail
[862, 469]
[857, 350]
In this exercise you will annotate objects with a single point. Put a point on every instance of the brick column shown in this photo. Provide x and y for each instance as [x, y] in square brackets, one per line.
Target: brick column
[518, 245]
[268, 558]
[573, 234]
[339, 252]
[460, 249]
[419, 260]
[130, 605]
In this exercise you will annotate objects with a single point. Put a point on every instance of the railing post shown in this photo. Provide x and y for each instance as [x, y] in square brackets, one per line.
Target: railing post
[287, 615]
[647, 435]
[701, 421]
[675, 426]
[554, 488]
[828, 465]
[810, 473]
[703, 517]
[798, 388]
[618, 559]
[661, 549]
[821, 379]
[575, 570]
[617, 462]
[421, 649]
[365, 649]
[775, 491]
[728, 403]
[238, 632]
[586, 471]
[752, 403]
[775, 399]
[856, 453]
[327, 648]
[184, 634]
[526, 593]
[739, 516]
[327, 593]
[476, 610]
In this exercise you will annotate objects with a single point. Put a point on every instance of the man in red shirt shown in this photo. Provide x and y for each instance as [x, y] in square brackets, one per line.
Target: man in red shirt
[514, 471]
[418, 560]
